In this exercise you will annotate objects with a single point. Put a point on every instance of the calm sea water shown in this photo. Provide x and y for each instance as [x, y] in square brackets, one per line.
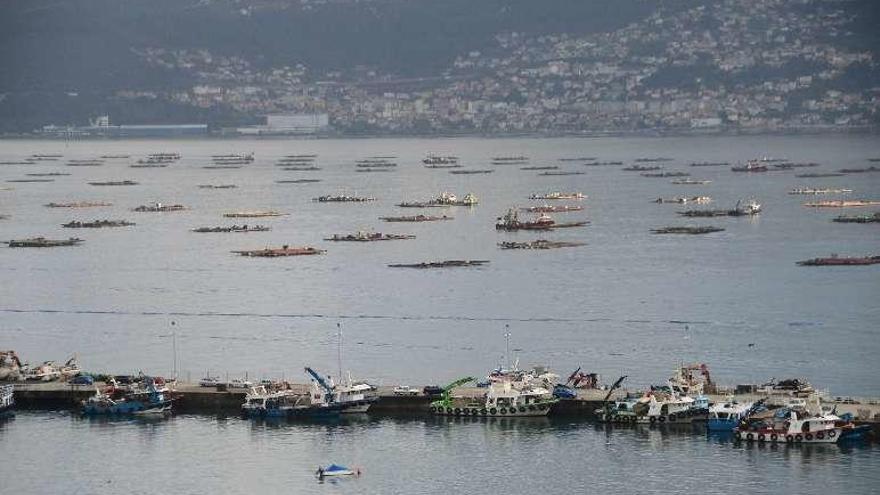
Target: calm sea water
[628, 302]
[48, 453]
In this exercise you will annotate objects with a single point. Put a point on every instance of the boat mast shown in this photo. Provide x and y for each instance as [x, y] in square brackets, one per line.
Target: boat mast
[339, 351]
[507, 352]
[174, 350]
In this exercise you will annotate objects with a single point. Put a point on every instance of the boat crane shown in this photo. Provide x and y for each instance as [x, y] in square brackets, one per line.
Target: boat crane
[446, 398]
[323, 383]
[613, 388]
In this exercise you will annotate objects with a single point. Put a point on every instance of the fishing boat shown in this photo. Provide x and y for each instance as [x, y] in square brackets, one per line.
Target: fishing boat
[790, 426]
[232, 228]
[349, 396]
[362, 236]
[727, 415]
[42, 242]
[7, 400]
[284, 250]
[151, 395]
[262, 403]
[503, 399]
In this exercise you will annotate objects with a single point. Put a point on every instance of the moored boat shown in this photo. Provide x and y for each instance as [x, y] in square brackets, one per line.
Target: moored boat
[7, 400]
[727, 415]
[789, 426]
[150, 395]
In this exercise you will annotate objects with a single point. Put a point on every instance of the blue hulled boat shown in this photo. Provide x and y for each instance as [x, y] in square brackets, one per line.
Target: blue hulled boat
[151, 397]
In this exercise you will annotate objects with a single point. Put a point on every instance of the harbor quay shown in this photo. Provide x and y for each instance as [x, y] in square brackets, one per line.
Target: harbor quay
[191, 398]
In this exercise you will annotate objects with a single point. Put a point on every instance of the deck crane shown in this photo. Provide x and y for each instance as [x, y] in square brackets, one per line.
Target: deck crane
[446, 398]
[328, 397]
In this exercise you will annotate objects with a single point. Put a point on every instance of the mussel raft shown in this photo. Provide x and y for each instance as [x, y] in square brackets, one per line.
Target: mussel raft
[43, 242]
[97, 224]
[368, 237]
[441, 264]
[686, 230]
[539, 244]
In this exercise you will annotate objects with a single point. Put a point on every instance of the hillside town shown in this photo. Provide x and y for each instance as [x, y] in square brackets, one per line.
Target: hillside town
[734, 65]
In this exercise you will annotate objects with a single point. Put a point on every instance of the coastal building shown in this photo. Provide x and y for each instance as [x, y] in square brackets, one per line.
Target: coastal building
[289, 124]
[102, 127]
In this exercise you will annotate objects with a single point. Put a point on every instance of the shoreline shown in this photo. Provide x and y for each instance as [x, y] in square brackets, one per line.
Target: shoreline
[647, 133]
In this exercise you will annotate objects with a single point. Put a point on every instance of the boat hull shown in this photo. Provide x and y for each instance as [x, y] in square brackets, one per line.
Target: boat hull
[124, 408]
[831, 435]
[503, 412]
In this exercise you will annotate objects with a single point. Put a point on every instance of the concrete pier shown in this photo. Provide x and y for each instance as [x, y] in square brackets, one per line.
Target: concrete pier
[194, 399]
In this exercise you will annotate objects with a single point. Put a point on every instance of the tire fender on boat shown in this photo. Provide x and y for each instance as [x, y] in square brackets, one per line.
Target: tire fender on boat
[832, 434]
[774, 437]
[798, 438]
[750, 436]
[820, 436]
[789, 438]
[503, 410]
[761, 437]
[808, 437]
[739, 435]
[493, 411]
